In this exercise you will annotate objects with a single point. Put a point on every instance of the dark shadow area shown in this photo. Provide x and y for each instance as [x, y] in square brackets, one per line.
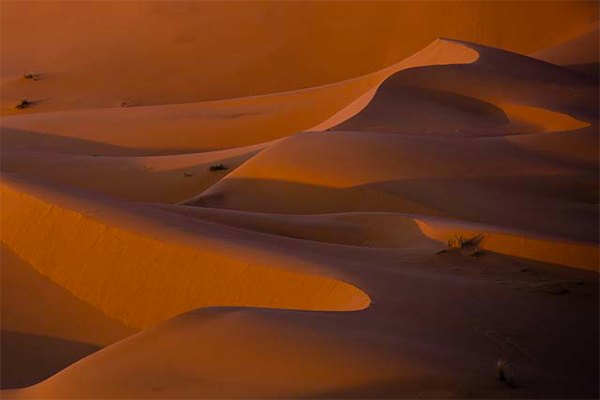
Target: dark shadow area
[536, 203]
[503, 76]
[23, 140]
[27, 359]
[399, 108]
[591, 70]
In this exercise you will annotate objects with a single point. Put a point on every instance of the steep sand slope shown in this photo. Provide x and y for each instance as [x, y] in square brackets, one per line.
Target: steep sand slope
[141, 265]
[399, 108]
[499, 93]
[159, 52]
[172, 129]
[544, 182]
[462, 140]
[499, 184]
[44, 327]
[167, 179]
[435, 330]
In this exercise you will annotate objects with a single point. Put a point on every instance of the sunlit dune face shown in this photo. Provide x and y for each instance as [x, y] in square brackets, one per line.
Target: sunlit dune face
[204, 278]
[526, 119]
[92, 56]
[299, 199]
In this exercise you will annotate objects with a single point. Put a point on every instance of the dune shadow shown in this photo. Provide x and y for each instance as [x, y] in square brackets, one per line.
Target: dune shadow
[400, 108]
[591, 70]
[475, 199]
[25, 140]
[27, 359]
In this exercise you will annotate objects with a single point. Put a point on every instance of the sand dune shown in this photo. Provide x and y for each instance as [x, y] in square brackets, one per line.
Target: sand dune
[580, 54]
[499, 93]
[44, 327]
[151, 53]
[405, 198]
[358, 229]
[167, 179]
[225, 124]
[244, 352]
[209, 272]
[369, 171]
[384, 229]
[344, 171]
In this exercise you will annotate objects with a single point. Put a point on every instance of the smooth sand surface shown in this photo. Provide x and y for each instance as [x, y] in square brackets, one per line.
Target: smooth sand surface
[580, 54]
[167, 179]
[44, 327]
[158, 52]
[401, 194]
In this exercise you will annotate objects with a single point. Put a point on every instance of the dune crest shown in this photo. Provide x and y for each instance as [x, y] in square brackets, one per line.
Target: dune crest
[140, 288]
[149, 130]
[299, 199]
[164, 179]
[281, 45]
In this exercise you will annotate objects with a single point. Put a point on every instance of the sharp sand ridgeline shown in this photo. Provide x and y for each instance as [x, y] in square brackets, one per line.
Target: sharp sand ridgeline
[281, 199]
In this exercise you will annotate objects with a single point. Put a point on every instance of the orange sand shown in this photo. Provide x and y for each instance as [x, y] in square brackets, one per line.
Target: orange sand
[409, 193]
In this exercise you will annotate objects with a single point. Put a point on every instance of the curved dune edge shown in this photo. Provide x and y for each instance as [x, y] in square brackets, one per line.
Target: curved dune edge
[162, 179]
[366, 229]
[569, 253]
[412, 100]
[174, 61]
[225, 123]
[527, 119]
[385, 229]
[33, 305]
[440, 52]
[231, 353]
[140, 280]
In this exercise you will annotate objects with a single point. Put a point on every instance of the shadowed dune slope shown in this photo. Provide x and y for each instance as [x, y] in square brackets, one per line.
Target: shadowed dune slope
[31, 303]
[580, 54]
[400, 230]
[182, 52]
[186, 128]
[357, 229]
[395, 213]
[44, 327]
[142, 266]
[499, 93]
[401, 347]
[165, 179]
[502, 184]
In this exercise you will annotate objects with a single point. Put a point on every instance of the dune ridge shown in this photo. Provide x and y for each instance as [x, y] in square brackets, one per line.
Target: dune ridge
[280, 199]
[87, 66]
[167, 179]
[255, 119]
[403, 230]
[203, 278]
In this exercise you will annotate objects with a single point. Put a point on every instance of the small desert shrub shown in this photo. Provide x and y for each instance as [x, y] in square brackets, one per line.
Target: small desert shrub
[217, 167]
[505, 373]
[187, 174]
[457, 242]
[29, 76]
[24, 103]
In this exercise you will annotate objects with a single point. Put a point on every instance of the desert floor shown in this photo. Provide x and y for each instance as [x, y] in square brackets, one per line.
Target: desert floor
[299, 199]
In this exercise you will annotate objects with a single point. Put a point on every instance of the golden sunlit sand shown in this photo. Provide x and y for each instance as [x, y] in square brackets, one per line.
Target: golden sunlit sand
[281, 199]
